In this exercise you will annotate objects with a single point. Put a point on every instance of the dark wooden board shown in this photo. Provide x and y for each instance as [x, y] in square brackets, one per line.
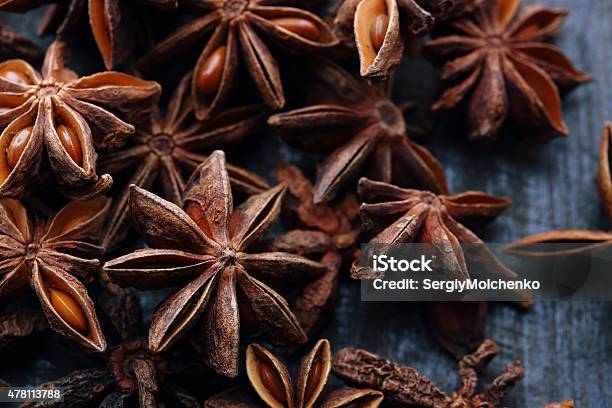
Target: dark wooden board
[565, 346]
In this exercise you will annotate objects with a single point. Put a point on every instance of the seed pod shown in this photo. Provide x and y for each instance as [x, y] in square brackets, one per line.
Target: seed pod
[269, 377]
[299, 26]
[209, 77]
[14, 75]
[68, 309]
[313, 374]
[17, 145]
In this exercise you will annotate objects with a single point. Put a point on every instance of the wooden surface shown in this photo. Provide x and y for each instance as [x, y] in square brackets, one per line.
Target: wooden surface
[565, 346]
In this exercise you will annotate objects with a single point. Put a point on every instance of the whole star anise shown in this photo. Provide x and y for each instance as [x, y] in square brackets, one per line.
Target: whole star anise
[50, 113]
[202, 247]
[407, 387]
[270, 379]
[378, 28]
[46, 255]
[129, 374]
[498, 67]
[575, 242]
[15, 45]
[236, 27]
[365, 132]
[109, 21]
[166, 150]
[423, 217]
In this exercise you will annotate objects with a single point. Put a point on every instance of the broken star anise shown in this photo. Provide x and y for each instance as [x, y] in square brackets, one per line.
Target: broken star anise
[365, 132]
[378, 28]
[19, 324]
[233, 30]
[407, 215]
[109, 21]
[166, 150]
[498, 67]
[50, 114]
[271, 380]
[46, 257]
[15, 45]
[406, 387]
[575, 242]
[202, 247]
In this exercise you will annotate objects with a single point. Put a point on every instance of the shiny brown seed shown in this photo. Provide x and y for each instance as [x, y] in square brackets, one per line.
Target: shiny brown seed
[314, 377]
[209, 77]
[272, 382]
[68, 310]
[14, 76]
[17, 145]
[378, 28]
[70, 141]
[300, 26]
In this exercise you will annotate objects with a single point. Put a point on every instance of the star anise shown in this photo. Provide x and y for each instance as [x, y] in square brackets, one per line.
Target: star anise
[166, 150]
[19, 324]
[365, 131]
[406, 386]
[109, 21]
[236, 27]
[270, 379]
[378, 28]
[204, 244]
[129, 375]
[50, 113]
[575, 242]
[46, 255]
[423, 217]
[15, 45]
[497, 65]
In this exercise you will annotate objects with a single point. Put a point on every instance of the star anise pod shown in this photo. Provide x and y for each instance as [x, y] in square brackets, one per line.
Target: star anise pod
[365, 132]
[109, 21]
[50, 113]
[237, 27]
[407, 387]
[498, 67]
[378, 28]
[202, 247]
[46, 255]
[15, 45]
[166, 150]
[407, 215]
[576, 242]
[129, 374]
[19, 324]
[270, 379]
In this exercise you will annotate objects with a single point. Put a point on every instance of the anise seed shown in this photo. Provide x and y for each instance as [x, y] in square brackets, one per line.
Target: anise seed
[378, 27]
[209, 77]
[14, 76]
[69, 139]
[314, 377]
[17, 145]
[272, 382]
[68, 310]
[299, 26]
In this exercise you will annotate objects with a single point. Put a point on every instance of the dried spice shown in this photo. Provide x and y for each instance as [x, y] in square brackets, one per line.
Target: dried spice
[406, 386]
[271, 380]
[379, 28]
[575, 242]
[205, 242]
[459, 327]
[365, 132]
[129, 375]
[15, 45]
[166, 150]
[109, 21]
[47, 257]
[496, 64]
[236, 27]
[50, 113]
[407, 215]
[19, 324]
